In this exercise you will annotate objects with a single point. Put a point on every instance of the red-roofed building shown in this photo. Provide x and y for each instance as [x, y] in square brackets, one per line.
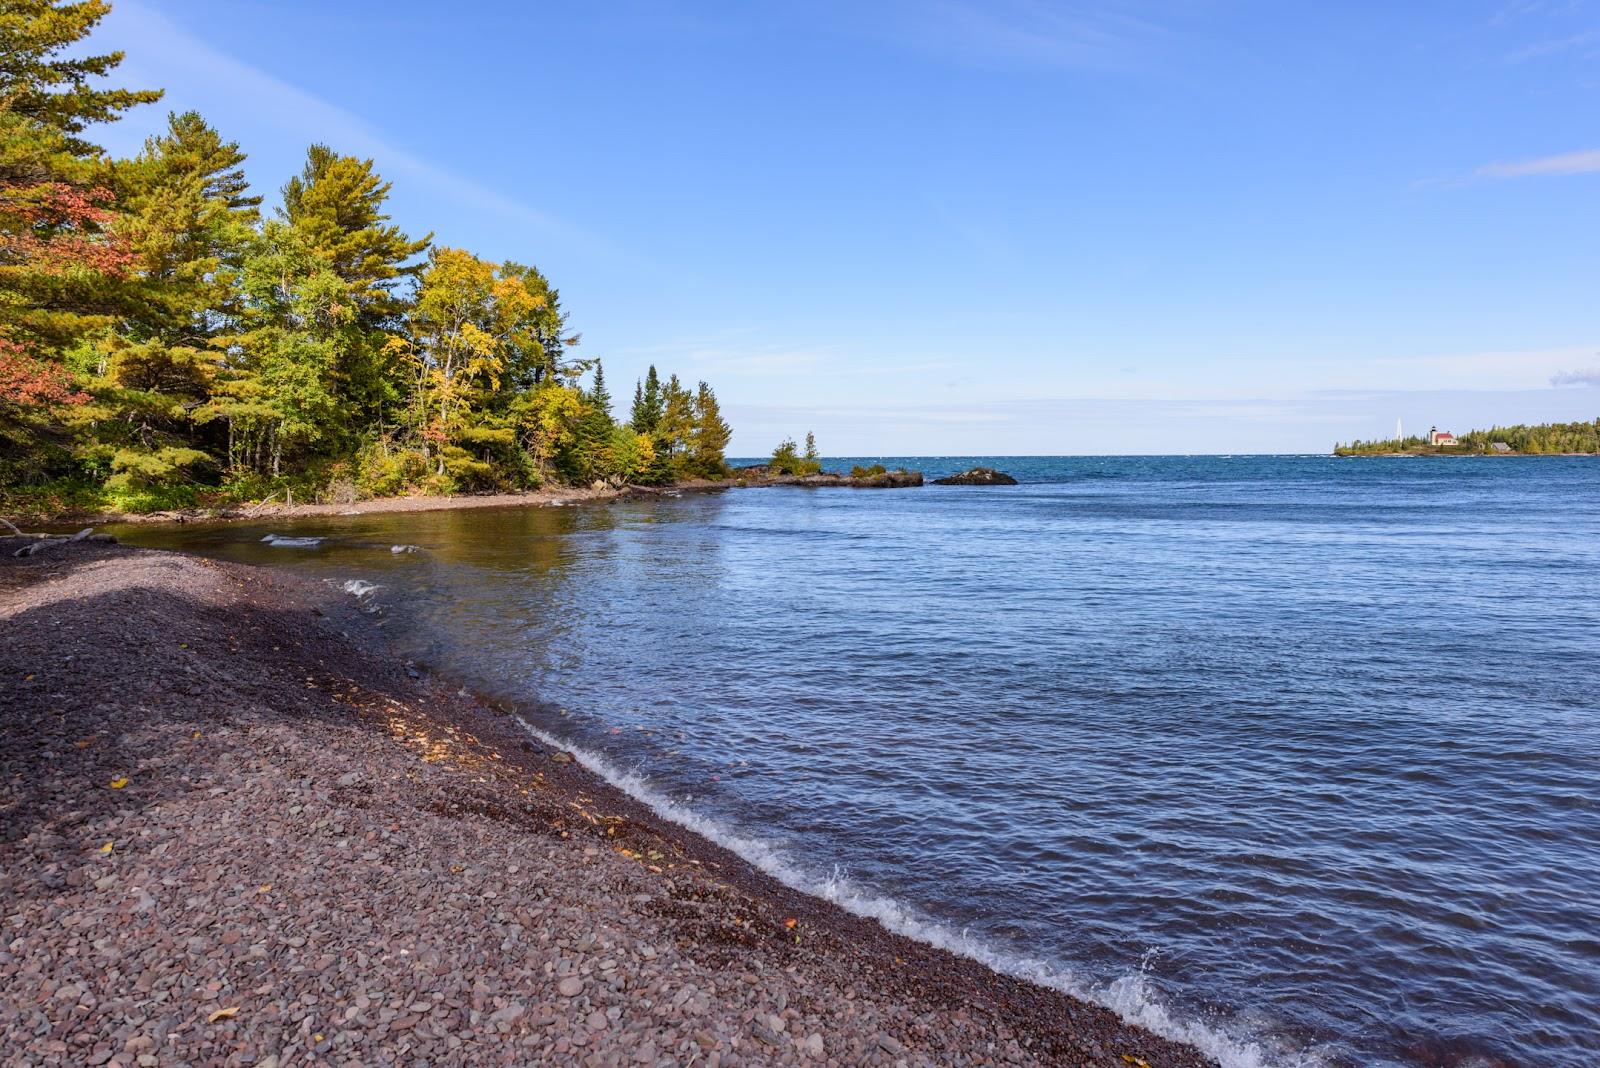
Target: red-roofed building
[1440, 437]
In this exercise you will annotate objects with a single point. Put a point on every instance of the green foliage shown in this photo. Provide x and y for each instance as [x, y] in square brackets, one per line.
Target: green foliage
[162, 344]
[786, 460]
[62, 264]
[857, 471]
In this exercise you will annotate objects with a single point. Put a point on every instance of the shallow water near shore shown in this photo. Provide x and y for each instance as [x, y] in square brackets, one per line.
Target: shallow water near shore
[1293, 757]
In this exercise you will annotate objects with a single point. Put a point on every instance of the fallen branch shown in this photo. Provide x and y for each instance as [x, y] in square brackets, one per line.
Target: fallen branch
[253, 509]
[43, 542]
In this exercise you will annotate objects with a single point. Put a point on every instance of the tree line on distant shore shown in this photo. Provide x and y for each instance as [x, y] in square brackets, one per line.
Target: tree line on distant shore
[163, 340]
[1542, 439]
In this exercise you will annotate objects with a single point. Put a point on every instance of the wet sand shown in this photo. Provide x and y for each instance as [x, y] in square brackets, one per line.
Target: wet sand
[237, 831]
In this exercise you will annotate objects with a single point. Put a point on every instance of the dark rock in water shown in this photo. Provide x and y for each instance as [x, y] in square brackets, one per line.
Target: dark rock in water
[978, 476]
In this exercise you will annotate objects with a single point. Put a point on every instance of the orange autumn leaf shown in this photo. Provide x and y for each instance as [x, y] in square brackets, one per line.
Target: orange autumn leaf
[107, 848]
[223, 1014]
[119, 782]
[791, 923]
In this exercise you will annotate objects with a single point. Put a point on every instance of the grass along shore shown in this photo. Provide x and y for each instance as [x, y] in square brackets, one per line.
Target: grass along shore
[237, 832]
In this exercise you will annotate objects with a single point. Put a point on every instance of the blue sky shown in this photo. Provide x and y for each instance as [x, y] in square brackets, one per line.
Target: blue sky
[945, 226]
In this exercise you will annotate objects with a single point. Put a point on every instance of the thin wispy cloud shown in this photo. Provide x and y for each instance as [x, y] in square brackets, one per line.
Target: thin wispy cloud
[1584, 162]
[1590, 377]
[1583, 43]
[162, 45]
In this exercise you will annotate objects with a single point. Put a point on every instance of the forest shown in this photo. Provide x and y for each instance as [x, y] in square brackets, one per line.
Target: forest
[165, 341]
[1543, 439]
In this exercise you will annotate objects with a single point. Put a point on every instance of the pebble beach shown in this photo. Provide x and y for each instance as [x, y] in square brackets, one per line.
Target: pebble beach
[237, 832]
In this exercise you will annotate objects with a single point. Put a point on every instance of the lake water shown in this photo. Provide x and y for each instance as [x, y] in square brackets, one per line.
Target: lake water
[1294, 757]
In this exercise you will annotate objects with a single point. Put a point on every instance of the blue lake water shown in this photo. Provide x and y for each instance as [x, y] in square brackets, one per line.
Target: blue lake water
[1295, 757]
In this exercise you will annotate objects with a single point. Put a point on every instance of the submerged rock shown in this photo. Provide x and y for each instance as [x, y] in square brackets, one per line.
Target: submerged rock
[978, 476]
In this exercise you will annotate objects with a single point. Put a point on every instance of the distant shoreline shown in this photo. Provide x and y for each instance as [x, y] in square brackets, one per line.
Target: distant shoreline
[1460, 455]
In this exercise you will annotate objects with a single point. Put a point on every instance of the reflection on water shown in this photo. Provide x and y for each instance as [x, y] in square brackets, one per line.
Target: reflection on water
[1302, 749]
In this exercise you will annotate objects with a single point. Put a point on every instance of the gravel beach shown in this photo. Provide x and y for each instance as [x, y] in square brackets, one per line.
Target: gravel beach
[237, 832]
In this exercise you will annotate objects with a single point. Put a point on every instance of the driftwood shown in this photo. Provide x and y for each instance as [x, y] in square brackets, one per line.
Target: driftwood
[253, 509]
[48, 542]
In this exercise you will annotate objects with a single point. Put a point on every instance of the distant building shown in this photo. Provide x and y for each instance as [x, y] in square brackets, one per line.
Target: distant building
[1440, 437]
[1499, 446]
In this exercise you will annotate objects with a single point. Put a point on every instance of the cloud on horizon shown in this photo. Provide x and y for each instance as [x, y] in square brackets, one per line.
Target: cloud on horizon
[1589, 377]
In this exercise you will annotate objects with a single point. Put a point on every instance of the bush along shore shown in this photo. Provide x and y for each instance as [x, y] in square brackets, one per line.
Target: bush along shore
[238, 833]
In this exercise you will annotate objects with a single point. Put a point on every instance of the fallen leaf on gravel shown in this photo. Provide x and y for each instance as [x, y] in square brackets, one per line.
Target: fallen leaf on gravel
[119, 782]
[1138, 1062]
[791, 923]
[28, 679]
[84, 743]
[196, 734]
[108, 847]
[456, 869]
[223, 1014]
[263, 888]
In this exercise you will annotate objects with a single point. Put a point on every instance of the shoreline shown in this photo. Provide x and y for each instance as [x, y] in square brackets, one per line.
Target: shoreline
[242, 712]
[541, 498]
[267, 510]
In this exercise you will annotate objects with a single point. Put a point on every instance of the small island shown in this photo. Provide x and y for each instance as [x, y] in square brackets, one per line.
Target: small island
[978, 476]
[1544, 439]
[791, 467]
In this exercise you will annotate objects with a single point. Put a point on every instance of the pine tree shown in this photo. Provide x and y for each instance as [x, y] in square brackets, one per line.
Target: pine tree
[599, 395]
[336, 203]
[592, 456]
[60, 265]
[811, 447]
[190, 219]
[648, 405]
[336, 206]
[711, 435]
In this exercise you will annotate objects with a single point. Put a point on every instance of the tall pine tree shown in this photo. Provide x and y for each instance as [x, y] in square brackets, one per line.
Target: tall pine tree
[60, 265]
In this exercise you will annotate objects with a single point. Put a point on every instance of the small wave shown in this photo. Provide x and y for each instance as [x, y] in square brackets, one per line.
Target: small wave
[281, 541]
[358, 588]
[1131, 997]
[397, 549]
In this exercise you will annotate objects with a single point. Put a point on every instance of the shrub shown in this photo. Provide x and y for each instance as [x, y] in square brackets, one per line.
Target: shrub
[786, 460]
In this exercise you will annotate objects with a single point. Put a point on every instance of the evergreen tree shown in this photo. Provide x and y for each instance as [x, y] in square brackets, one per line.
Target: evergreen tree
[710, 436]
[599, 395]
[189, 220]
[336, 206]
[811, 447]
[60, 265]
[593, 455]
[648, 405]
[281, 396]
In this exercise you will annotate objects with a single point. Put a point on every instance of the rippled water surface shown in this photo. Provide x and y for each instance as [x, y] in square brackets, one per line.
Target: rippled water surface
[1295, 756]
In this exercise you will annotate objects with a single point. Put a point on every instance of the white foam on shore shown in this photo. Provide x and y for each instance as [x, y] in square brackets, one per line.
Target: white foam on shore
[359, 588]
[1131, 997]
